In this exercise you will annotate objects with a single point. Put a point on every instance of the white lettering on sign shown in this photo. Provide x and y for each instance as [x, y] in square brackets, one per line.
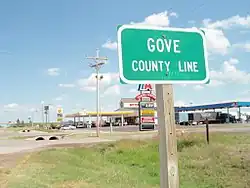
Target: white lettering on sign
[162, 45]
[188, 66]
[150, 66]
[151, 47]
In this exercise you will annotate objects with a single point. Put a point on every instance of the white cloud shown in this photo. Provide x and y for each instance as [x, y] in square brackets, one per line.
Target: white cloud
[244, 46]
[212, 83]
[67, 85]
[217, 42]
[110, 45]
[60, 98]
[179, 103]
[158, 19]
[34, 109]
[89, 84]
[198, 87]
[233, 61]
[227, 74]
[53, 71]
[183, 85]
[215, 83]
[112, 91]
[246, 92]
[12, 105]
[174, 14]
[88, 88]
[230, 74]
[133, 90]
[110, 107]
[244, 31]
[57, 106]
[234, 21]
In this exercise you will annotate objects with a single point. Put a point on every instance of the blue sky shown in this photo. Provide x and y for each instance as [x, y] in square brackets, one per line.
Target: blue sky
[43, 45]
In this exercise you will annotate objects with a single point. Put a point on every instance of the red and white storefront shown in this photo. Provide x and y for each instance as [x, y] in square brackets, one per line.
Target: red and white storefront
[131, 104]
[145, 93]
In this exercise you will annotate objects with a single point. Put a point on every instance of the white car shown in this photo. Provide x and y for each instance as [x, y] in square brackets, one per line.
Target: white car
[68, 127]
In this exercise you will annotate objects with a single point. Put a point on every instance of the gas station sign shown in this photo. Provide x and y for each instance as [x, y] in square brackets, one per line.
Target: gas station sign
[148, 112]
[147, 120]
[147, 115]
[59, 114]
[147, 105]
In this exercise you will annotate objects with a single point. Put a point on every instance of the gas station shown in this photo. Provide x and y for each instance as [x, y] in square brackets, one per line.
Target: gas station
[82, 116]
[129, 112]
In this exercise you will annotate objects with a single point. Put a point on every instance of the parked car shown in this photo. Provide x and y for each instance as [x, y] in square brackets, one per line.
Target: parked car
[81, 124]
[68, 127]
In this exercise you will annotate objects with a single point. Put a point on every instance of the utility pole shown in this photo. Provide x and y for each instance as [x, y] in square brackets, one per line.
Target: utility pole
[98, 62]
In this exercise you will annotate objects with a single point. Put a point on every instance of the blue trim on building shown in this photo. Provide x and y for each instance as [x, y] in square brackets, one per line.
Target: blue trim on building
[243, 104]
[213, 106]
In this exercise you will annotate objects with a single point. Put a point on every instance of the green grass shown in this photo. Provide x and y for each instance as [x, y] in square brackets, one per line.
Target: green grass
[225, 163]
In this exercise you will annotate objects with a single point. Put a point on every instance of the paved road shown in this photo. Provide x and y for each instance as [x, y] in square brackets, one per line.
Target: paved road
[5, 133]
[133, 128]
[11, 146]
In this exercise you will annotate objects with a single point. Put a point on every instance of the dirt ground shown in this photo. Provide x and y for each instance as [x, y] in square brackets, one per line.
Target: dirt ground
[10, 160]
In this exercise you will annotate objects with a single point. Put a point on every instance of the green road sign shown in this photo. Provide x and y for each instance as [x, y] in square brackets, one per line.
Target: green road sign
[162, 55]
[122, 82]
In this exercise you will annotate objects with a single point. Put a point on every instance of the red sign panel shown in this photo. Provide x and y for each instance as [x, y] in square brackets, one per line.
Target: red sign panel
[145, 87]
[147, 119]
[140, 96]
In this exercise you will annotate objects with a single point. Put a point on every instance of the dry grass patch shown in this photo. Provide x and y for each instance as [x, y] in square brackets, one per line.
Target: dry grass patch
[224, 163]
[73, 184]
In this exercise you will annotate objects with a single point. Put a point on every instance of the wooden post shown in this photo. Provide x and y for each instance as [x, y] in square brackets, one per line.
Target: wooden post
[207, 131]
[122, 120]
[111, 126]
[169, 174]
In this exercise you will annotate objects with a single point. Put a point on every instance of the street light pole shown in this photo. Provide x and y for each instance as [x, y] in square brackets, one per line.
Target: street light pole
[50, 105]
[32, 116]
[97, 101]
[42, 103]
[98, 62]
